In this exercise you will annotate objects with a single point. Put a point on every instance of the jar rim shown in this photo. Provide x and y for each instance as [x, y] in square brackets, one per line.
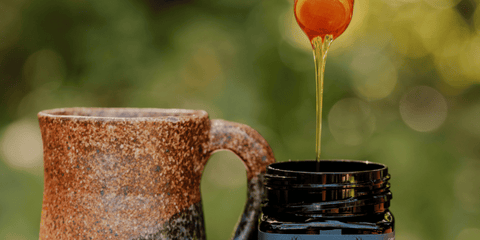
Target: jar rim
[339, 165]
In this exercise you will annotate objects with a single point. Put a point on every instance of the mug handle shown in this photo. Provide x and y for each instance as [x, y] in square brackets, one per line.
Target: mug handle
[256, 154]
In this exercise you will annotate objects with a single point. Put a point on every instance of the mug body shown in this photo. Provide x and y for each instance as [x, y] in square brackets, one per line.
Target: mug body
[123, 173]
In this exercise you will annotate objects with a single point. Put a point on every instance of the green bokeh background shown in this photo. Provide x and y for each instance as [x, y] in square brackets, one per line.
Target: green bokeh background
[401, 88]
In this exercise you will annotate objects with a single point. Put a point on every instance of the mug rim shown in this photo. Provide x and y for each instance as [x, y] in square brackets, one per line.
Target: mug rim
[115, 114]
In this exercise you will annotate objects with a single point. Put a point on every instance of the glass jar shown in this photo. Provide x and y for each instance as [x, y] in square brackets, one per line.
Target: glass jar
[345, 200]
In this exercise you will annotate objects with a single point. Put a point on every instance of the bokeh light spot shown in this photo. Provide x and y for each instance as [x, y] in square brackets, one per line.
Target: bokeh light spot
[407, 42]
[351, 121]
[470, 59]
[206, 51]
[21, 145]
[203, 68]
[355, 31]
[447, 36]
[441, 31]
[374, 76]
[451, 72]
[423, 109]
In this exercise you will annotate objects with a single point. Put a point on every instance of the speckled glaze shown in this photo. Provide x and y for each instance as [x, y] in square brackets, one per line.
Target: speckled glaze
[125, 173]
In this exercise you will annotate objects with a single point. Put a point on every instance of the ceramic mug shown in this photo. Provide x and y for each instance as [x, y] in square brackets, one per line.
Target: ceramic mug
[128, 173]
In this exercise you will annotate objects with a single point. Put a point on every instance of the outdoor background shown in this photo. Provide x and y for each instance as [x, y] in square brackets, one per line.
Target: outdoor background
[402, 87]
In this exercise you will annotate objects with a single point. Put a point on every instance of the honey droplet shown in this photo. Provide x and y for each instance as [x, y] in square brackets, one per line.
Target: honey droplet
[317, 18]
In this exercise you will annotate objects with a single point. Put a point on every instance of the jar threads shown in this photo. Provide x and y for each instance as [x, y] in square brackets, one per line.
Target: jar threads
[344, 198]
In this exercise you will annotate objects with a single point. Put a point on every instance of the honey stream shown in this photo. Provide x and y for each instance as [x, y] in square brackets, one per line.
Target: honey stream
[322, 21]
[320, 49]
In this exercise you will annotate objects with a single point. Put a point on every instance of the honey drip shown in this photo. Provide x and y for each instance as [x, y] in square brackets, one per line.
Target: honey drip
[322, 21]
[320, 50]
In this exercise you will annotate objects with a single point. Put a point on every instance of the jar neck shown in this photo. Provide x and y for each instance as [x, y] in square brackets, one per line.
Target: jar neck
[342, 189]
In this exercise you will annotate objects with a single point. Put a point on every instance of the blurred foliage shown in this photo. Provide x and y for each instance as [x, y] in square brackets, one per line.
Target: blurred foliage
[401, 88]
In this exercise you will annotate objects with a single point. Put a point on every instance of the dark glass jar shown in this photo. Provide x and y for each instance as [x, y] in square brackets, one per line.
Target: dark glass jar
[344, 200]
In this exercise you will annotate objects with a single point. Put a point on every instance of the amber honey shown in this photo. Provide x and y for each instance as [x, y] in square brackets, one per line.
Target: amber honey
[317, 18]
[322, 21]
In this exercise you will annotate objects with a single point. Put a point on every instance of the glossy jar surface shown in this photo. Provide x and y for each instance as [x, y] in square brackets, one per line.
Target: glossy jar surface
[344, 200]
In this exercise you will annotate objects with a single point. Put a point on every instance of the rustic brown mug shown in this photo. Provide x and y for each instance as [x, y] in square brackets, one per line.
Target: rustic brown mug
[126, 173]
